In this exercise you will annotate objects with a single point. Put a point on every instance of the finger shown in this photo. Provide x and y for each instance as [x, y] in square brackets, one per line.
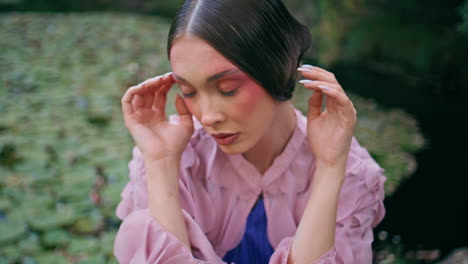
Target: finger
[317, 74]
[147, 89]
[159, 106]
[314, 85]
[307, 66]
[181, 107]
[154, 84]
[315, 105]
[183, 111]
[165, 88]
[333, 94]
[127, 106]
[167, 82]
[168, 77]
[138, 102]
[329, 75]
[149, 99]
[130, 93]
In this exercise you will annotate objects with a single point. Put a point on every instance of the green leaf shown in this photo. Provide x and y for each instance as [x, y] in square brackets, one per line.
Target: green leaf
[11, 231]
[51, 258]
[90, 223]
[83, 245]
[95, 259]
[5, 205]
[30, 245]
[47, 219]
[56, 238]
[107, 243]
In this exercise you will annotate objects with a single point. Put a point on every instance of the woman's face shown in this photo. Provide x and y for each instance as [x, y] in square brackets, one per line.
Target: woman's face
[230, 105]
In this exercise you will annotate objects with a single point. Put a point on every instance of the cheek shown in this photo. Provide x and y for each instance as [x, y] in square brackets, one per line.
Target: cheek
[191, 107]
[249, 101]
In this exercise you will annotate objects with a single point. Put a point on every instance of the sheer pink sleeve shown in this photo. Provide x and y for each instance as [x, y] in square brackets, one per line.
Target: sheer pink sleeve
[360, 209]
[142, 239]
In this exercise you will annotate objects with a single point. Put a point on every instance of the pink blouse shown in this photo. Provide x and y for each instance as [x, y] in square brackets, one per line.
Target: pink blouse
[218, 192]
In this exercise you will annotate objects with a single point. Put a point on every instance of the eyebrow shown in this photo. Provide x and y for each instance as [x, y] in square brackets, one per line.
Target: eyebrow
[211, 78]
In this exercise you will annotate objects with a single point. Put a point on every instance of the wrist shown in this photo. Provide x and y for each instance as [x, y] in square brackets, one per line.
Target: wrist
[341, 165]
[162, 172]
[339, 162]
[330, 173]
[164, 160]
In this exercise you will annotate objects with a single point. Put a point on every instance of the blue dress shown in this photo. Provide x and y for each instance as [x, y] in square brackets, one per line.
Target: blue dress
[254, 246]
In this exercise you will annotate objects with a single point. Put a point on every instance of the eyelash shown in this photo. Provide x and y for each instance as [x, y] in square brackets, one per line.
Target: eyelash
[230, 93]
[188, 95]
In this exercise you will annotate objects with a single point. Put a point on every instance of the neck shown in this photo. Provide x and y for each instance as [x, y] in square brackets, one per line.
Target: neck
[275, 140]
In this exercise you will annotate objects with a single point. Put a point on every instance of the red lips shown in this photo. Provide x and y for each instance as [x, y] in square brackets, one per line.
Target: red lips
[225, 139]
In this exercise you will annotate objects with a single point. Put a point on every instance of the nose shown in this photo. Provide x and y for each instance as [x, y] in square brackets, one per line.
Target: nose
[212, 114]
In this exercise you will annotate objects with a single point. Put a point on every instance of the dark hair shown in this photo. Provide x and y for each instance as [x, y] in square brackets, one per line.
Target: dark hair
[261, 37]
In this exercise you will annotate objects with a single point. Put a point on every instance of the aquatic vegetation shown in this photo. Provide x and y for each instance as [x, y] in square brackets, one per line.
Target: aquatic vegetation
[64, 149]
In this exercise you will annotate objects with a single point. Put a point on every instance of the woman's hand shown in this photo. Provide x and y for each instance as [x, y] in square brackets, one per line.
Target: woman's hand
[329, 132]
[144, 112]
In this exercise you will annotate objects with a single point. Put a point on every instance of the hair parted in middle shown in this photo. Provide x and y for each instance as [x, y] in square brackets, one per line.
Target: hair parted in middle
[260, 37]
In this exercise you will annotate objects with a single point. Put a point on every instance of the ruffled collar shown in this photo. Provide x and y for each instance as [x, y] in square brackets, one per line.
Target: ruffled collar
[251, 182]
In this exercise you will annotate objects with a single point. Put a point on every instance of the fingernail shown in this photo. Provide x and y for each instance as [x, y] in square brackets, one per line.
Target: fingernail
[303, 69]
[167, 74]
[324, 87]
[306, 81]
[307, 66]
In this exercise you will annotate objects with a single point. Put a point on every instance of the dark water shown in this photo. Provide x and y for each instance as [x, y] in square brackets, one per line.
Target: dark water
[430, 209]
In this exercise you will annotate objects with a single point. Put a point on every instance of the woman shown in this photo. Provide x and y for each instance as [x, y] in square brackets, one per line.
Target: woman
[240, 175]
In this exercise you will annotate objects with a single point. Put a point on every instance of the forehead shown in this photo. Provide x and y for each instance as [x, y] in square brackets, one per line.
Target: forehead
[191, 55]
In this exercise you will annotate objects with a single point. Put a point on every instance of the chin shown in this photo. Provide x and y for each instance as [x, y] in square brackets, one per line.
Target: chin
[234, 149]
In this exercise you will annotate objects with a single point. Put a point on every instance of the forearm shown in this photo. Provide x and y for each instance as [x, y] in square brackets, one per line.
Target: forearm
[315, 234]
[163, 194]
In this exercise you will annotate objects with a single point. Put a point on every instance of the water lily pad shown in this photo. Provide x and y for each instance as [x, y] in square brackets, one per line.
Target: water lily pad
[11, 231]
[42, 180]
[14, 194]
[95, 259]
[9, 155]
[83, 245]
[113, 260]
[30, 245]
[90, 223]
[51, 258]
[36, 200]
[5, 205]
[111, 194]
[27, 260]
[56, 238]
[47, 219]
[10, 253]
[16, 216]
[107, 243]
[74, 193]
[83, 206]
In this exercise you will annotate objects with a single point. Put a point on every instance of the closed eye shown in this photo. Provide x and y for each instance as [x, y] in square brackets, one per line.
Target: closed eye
[188, 95]
[229, 87]
[230, 93]
[184, 90]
